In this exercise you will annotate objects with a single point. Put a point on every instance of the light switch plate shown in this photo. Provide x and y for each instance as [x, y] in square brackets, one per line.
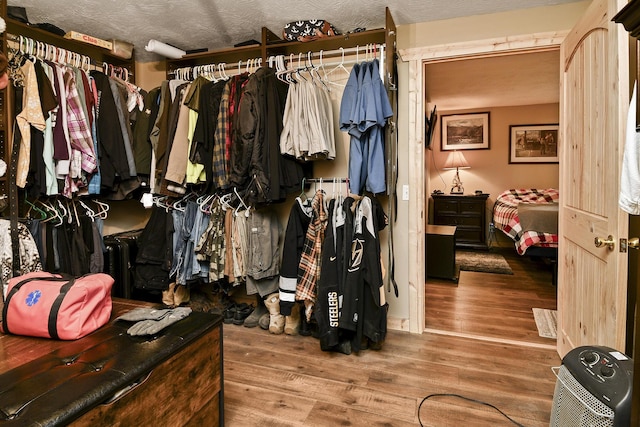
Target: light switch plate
[405, 192]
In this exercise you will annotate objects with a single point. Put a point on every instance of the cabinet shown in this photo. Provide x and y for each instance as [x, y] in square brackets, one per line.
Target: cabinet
[441, 252]
[467, 213]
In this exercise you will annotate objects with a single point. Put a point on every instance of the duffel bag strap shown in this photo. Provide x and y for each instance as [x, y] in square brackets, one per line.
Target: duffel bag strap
[53, 314]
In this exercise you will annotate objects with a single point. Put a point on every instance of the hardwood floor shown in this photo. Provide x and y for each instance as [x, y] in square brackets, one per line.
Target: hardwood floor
[280, 380]
[493, 306]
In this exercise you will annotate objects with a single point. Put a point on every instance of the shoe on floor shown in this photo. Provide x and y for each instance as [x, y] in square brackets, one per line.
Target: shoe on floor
[243, 311]
[254, 317]
[264, 321]
[229, 313]
[276, 320]
[292, 322]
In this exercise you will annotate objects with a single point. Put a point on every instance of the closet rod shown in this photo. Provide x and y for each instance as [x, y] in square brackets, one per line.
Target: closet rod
[336, 52]
[14, 40]
[329, 180]
[316, 57]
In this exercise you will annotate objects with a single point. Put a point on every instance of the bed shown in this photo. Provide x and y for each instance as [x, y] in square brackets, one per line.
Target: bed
[530, 218]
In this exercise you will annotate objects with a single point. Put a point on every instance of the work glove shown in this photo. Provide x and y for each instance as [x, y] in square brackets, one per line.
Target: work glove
[142, 313]
[153, 326]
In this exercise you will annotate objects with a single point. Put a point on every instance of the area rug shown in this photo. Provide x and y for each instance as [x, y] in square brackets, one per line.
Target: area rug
[546, 321]
[483, 262]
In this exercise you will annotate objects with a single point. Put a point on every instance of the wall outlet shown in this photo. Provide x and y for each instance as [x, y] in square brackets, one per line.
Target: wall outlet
[405, 192]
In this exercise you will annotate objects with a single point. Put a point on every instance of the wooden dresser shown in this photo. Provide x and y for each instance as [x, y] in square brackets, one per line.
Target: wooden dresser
[110, 378]
[468, 213]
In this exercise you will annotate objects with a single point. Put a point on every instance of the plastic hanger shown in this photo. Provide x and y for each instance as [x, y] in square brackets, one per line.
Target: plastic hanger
[104, 209]
[303, 195]
[225, 201]
[89, 212]
[52, 214]
[281, 68]
[62, 210]
[337, 69]
[204, 203]
[242, 204]
[41, 213]
[75, 213]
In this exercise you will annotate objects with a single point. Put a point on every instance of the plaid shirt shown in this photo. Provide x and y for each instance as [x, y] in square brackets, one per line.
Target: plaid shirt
[79, 130]
[219, 166]
[309, 267]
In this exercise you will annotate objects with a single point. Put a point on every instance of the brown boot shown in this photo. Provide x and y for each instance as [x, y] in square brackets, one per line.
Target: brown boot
[292, 322]
[276, 320]
[168, 296]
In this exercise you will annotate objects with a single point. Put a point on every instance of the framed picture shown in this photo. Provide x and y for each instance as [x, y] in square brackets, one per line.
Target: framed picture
[465, 131]
[533, 143]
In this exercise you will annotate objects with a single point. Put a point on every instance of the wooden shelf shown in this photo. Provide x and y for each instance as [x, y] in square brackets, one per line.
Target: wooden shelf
[96, 53]
[271, 45]
[284, 47]
[228, 56]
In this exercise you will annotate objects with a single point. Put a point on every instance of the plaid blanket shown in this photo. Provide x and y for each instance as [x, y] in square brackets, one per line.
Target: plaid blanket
[505, 217]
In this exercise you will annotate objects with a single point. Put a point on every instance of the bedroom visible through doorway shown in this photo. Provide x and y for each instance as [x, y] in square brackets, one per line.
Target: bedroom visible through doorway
[515, 89]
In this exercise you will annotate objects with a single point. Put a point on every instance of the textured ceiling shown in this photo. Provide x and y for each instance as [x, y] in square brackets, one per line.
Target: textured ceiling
[498, 81]
[217, 24]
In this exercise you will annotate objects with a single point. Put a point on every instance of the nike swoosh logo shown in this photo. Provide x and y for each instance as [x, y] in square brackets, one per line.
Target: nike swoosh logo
[332, 258]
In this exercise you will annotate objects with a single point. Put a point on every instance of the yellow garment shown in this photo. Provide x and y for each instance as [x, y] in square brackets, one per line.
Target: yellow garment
[195, 171]
[31, 115]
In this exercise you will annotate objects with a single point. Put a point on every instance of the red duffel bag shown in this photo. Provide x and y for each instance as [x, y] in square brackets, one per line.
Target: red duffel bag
[41, 304]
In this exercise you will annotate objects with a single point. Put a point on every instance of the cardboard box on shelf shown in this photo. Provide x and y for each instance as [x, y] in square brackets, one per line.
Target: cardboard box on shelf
[89, 39]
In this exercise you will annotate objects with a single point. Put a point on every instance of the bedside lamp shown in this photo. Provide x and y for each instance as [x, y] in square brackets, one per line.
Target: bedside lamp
[456, 161]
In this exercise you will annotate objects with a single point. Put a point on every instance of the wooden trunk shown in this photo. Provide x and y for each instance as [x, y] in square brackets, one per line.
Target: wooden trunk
[109, 378]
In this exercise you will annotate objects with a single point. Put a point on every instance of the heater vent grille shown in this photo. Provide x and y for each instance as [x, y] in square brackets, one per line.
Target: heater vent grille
[574, 405]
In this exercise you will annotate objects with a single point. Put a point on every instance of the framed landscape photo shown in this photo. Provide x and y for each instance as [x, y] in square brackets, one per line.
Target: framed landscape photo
[533, 143]
[465, 131]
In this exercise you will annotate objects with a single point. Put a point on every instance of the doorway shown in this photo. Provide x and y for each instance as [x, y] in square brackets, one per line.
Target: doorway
[513, 90]
[416, 60]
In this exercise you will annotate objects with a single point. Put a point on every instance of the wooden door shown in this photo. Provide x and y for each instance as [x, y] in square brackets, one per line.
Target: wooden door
[592, 286]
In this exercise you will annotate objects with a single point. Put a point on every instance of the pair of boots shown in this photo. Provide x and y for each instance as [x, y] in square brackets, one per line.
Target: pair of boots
[176, 295]
[267, 316]
[279, 323]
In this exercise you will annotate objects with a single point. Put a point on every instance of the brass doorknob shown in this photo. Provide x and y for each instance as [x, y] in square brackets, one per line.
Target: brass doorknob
[608, 242]
[634, 243]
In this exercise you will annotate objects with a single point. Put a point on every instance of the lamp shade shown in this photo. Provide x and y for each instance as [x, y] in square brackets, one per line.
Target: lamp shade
[456, 160]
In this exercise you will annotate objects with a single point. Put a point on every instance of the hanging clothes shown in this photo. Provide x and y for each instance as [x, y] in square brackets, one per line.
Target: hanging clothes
[202, 143]
[113, 161]
[331, 282]
[308, 131]
[29, 255]
[155, 251]
[294, 237]
[629, 197]
[364, 109]
[364, 308]
[211, 246]
[309, 267]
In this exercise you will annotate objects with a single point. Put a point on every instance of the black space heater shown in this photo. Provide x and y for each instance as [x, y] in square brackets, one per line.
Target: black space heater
[593, 389]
